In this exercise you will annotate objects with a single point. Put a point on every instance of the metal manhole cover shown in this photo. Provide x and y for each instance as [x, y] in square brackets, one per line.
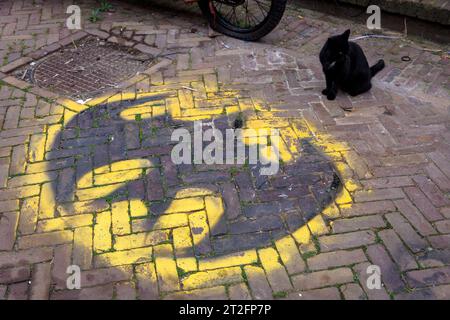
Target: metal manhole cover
[87, 68]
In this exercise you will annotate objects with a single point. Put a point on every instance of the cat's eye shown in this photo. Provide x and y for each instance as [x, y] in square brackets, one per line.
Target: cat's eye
[340, 53]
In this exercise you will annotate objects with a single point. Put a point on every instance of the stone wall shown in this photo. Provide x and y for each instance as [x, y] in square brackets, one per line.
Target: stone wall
[429, 10]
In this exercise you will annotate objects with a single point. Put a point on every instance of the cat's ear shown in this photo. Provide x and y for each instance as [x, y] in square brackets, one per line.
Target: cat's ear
[346, 34]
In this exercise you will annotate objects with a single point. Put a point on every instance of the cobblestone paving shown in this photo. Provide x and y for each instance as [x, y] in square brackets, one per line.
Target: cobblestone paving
[93, 185]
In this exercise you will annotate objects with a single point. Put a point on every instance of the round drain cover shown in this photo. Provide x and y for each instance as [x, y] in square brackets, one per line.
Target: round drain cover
[88, 68]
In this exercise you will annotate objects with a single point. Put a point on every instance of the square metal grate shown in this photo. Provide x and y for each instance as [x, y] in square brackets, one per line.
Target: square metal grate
[87, 68]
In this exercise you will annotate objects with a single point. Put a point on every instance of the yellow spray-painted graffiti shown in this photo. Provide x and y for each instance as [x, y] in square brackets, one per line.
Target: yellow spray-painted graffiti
[190, 208]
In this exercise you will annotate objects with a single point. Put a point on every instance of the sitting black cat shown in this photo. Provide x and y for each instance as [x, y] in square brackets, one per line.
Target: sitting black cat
[345, 67]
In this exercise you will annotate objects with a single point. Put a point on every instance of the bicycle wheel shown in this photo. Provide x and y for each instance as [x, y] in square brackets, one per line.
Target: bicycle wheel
[247, 20]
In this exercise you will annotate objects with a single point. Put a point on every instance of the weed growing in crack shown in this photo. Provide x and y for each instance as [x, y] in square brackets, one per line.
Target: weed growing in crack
[95, 15]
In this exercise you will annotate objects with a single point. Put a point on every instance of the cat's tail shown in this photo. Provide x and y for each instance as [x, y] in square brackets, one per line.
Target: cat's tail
[377, 67]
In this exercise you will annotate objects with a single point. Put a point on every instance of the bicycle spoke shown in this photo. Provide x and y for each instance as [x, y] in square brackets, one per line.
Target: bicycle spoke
[234, 15]
[247, 14]
[247, 21]
[261, 7]
[254, 19]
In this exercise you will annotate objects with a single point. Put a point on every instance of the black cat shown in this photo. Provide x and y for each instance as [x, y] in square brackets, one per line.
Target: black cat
[345, 67]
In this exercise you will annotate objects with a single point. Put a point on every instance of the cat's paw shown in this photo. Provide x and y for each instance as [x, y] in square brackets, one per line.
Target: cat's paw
[325, 92]
[331, 95]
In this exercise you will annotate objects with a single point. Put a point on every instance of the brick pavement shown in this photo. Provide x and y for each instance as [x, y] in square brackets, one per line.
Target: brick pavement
[93, 185]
